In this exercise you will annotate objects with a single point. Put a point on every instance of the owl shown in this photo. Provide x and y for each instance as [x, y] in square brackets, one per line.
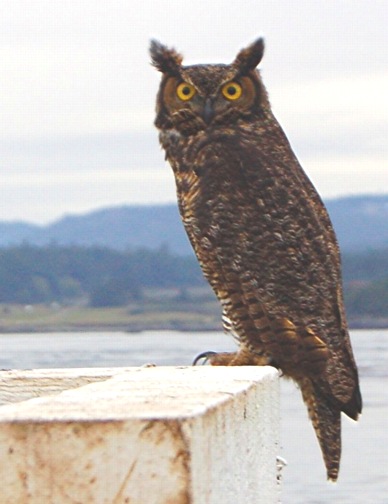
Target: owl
[261, 233]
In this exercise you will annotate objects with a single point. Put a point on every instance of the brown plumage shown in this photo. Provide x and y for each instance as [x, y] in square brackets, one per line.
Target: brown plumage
[260, 232]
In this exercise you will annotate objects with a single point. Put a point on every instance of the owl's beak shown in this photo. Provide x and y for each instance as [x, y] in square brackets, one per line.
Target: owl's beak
[208, 111]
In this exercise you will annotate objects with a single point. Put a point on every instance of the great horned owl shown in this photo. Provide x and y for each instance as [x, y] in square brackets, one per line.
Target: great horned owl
[260, 231]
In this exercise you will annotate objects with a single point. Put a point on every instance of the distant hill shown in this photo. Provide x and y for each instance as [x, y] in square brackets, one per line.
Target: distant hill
[361, 223]
[117, 227]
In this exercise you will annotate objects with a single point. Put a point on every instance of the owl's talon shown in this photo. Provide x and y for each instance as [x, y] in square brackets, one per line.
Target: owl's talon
[204, 355]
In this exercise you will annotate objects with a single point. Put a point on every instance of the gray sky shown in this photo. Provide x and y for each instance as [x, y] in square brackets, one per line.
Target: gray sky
[77, 93]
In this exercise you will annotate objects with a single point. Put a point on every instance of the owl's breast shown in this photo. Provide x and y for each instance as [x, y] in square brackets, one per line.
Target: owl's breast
[247, 212]
[212, 188]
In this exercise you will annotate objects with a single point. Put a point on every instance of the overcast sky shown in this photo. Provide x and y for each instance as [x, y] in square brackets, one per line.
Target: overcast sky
[77, 93]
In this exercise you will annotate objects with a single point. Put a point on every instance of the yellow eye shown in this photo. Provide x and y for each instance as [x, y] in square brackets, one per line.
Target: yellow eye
[232, 91]
[185, 91]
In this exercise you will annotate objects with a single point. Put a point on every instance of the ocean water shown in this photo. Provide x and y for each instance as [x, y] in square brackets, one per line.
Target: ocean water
[364, 467]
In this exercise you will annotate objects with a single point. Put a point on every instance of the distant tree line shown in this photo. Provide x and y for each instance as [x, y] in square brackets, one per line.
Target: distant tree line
[104, 277]
[366, 283]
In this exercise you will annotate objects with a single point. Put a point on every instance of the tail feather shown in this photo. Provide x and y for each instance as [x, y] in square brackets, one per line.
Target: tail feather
[326, 419]
[354, 407]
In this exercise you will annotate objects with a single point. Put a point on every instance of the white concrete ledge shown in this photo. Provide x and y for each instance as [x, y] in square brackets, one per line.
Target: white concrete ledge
[161, 435]
[19, 385]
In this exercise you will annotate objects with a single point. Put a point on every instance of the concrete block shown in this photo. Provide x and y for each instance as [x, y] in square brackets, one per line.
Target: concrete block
[162, 435]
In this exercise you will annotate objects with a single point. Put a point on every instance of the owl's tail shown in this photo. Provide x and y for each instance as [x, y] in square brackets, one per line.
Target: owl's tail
[326, 420]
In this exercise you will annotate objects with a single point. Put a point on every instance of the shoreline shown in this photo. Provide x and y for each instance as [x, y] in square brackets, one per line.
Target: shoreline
[183, 317]
[135, 329]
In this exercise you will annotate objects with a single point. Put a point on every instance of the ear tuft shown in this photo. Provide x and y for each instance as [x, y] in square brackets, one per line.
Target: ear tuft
[166, 60]
[248, 58]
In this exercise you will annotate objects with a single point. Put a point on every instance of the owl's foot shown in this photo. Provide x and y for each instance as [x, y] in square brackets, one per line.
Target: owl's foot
[242, 358]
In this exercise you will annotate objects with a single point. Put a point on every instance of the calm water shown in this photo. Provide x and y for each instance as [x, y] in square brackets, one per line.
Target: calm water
[364, 470]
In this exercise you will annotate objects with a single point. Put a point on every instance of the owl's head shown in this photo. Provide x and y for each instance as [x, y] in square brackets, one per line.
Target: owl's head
[194, 98]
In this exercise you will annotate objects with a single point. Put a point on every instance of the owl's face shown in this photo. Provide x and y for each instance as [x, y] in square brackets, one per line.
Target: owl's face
[194, 98]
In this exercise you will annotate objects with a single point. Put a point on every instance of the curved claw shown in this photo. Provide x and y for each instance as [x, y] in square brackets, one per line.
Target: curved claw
[204, 355]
